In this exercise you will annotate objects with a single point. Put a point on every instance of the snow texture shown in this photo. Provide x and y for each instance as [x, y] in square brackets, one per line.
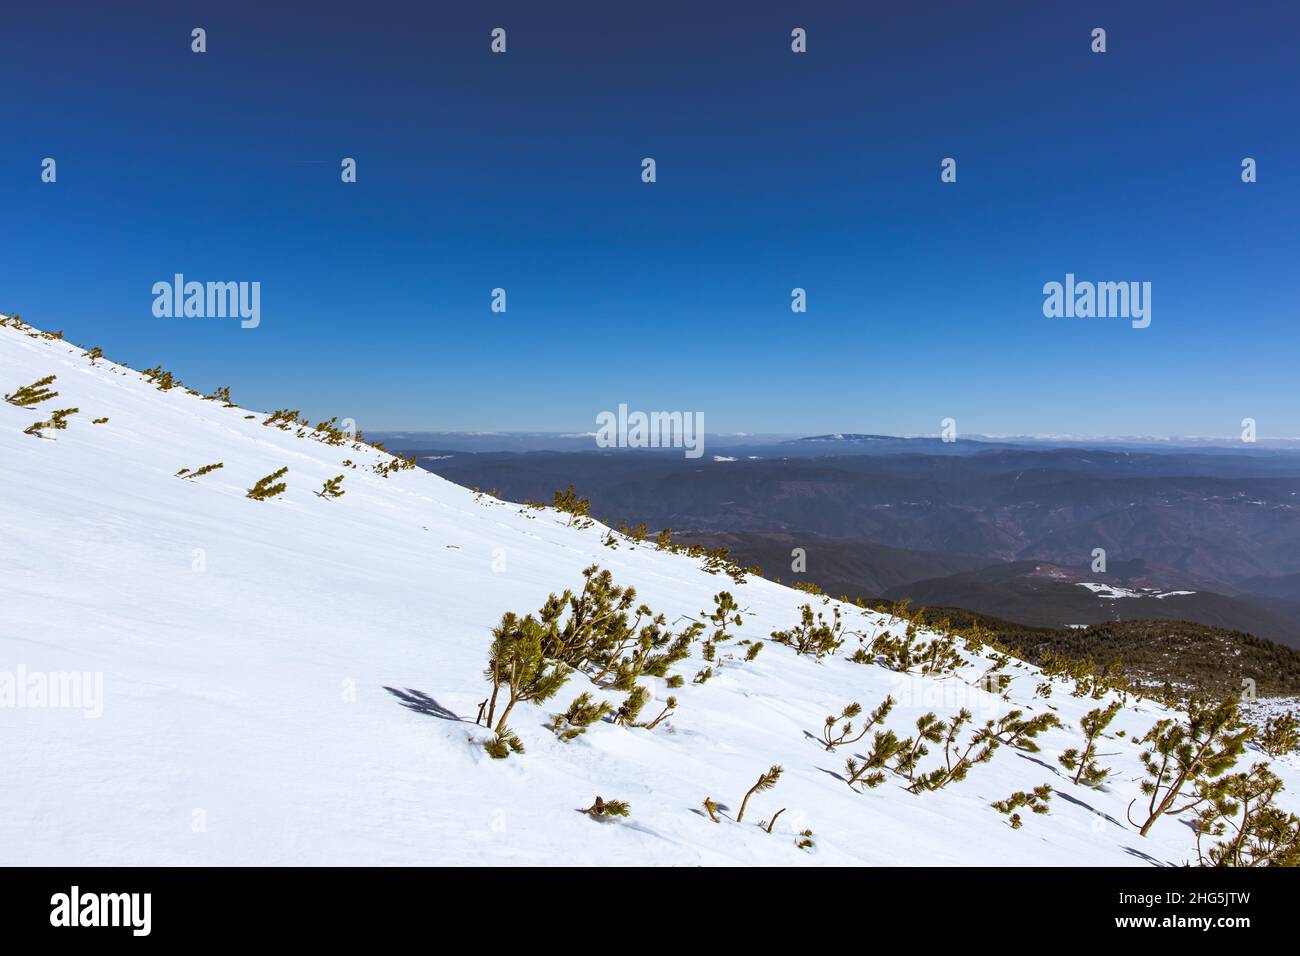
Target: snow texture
[294, 681]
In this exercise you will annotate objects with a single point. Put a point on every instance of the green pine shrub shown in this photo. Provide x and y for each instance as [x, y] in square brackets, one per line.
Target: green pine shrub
[1084, 762]
[766, 781]
[870, 772]
[1281, 735]
[630, 709]
[935, 657]
[814, 634]
[577, 508]
[834, 737]
[33, 394]
[669, 709]
[1256, 833]
[503, 743]
[604, 809]
[1036, 800]
[268, 487]
[581, 714]
[518, 665]
[205, 470]
[58, 421]
[1189, 754]
[333, 489]
[162, 378]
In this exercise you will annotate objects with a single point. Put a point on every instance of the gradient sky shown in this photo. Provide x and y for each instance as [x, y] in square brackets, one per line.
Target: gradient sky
[775, 170]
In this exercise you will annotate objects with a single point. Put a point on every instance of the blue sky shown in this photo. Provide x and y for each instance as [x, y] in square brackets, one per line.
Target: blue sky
[775, 170]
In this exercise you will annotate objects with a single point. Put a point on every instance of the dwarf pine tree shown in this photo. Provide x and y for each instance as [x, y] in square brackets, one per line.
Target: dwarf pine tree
[834, 737]
[503, 743]
[517, 665]
[766, 781]
[581, 714]
[95, 353]
[1280, 735]
[394, 464]
[813, 634]
[597, 632]
[1011, 730]
[725, 612]
[608, 808]
[630, 709]
[1256, 833]
[1191, 753]
[268, 487]
[33, 394]
[577, 508]
[333, 489]
[933, 657]
[58, 421]
[1083, 762]
[669, 708]
[597, 623]
[164, 379]
[1014, 730]
[205, 470]
[1036, 801]
[929, 729]
[651, 650]
[871, 772]
[282, 418]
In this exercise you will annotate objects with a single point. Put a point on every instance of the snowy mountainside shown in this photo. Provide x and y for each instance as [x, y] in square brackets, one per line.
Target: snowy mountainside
[295, 680]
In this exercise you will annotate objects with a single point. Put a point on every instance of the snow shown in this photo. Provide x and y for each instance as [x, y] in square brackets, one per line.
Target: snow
[1114, 592]
[294, 681]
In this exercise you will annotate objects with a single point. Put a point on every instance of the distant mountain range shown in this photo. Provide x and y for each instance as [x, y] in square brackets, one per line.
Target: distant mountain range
[1009, 530]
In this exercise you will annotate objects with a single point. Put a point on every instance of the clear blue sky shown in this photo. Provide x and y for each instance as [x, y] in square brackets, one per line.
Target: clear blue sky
[775, 170]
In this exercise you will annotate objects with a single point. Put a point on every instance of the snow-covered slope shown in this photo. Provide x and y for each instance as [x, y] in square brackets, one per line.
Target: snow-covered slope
[247, 652]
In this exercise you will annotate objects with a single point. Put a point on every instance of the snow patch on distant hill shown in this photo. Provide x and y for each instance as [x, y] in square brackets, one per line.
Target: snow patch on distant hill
[1113, 592]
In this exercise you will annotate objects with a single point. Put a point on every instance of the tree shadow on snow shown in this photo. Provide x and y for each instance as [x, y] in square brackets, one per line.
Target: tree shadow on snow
[1091, 809]
[422, 703]
[1134, 851]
